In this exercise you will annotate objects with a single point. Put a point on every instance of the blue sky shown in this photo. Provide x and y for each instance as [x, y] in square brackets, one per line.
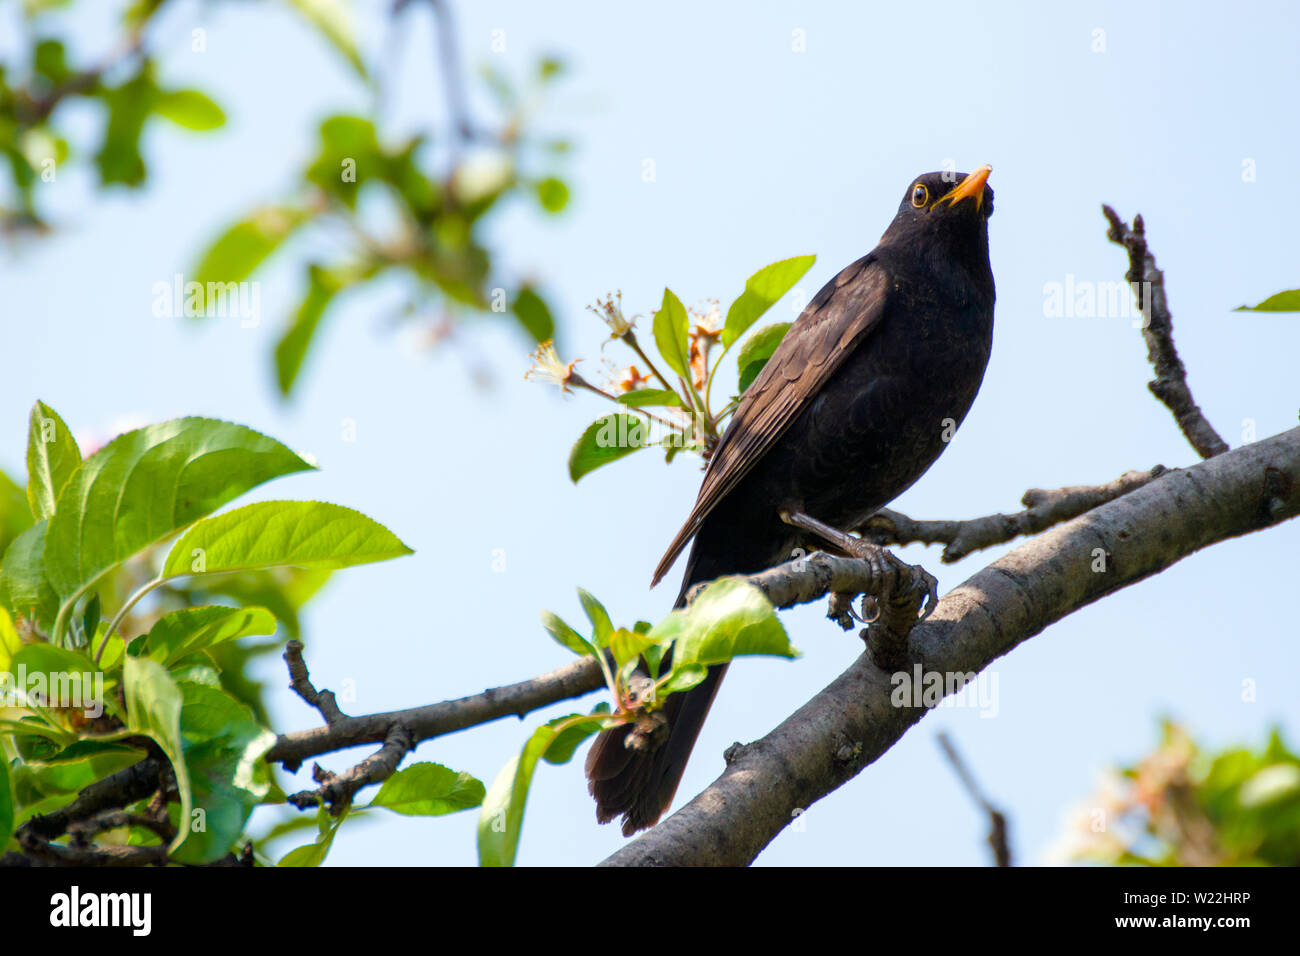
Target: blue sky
[761, 153]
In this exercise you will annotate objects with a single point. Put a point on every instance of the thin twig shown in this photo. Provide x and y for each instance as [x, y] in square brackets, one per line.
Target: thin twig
[998, 837]
[300, 682]
[449, 58]
[1170, 383]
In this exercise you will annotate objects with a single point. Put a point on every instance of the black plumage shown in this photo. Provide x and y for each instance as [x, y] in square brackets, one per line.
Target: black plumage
[854, 406]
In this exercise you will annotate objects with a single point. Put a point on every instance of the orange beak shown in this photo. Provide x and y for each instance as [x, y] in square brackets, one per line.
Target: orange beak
[972, 185]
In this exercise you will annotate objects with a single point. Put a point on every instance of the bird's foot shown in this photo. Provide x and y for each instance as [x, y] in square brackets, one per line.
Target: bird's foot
[900, 594]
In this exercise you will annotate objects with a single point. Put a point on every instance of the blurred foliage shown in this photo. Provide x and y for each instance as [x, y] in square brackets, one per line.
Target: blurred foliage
[123, 87]
[415, 207]
[1184, 805]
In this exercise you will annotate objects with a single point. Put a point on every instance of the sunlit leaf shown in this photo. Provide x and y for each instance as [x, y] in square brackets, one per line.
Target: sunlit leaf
[729, 617]
[268, 534]
[756, 351]
[189, 109]
[1281, 302]
[671, 331]
[52, 457]
[146, 485]
[762, 290]
[429, 789]
[605, 440]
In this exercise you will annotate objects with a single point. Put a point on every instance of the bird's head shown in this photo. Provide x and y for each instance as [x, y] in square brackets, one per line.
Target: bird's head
[955, 203]
[946, 214]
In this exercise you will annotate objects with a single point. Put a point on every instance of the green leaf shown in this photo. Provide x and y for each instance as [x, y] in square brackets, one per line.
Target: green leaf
[334, 20]
[129, 105]
[245, 245]
[762, 290]
[1281, 302]
[534, 314]
[180, 633]
[290, 351]
[429, 789]
[224, 746]
[569, 739]
[148, 484]
[672, 330]
[282, 591]
[641, 397]
[756, 351]
[627, 648]
[502, 816]
[90, 616]
[566, 636]
[52, 457]
[153, 707]
[6, 804]
[553, 194]
[349, 155]
[681, 679]
[730, 617]
[68, 676]
[24, 585]
[49, 61]
[607, 439]
[313, 854]
[598, 616]
[10, 642]
[15, 512]
[190, 109]
[268, 534]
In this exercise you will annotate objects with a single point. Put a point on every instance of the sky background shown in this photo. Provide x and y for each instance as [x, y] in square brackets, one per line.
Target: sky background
[761, 153]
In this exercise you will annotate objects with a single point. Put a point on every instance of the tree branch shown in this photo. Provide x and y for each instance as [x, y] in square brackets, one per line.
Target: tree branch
[853, 721]
[1170, 383]
[434, 720]
[1043, 510]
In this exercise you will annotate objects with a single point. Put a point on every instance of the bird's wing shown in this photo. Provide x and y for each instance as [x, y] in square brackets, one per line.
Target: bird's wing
[838, 318]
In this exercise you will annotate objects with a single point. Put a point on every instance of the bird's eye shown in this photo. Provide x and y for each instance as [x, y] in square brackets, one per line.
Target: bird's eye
[920, 196]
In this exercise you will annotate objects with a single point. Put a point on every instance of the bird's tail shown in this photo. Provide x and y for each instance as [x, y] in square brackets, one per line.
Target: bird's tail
[640, 784]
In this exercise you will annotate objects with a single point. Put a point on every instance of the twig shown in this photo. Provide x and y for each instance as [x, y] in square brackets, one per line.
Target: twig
[1043, 510]
[337, 790]
[434, 720]
[449, 58]
[997, 820]
[300, 682]
[1170, 383]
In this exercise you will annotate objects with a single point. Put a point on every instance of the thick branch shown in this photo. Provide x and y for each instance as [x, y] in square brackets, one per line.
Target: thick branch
[1170, 383]
[852, 722]
[1043, 509]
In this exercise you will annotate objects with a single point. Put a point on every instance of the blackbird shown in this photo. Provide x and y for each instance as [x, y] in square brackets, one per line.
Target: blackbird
[856, 403]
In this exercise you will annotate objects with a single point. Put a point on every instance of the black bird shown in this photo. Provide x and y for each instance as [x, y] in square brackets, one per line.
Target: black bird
[854, 406]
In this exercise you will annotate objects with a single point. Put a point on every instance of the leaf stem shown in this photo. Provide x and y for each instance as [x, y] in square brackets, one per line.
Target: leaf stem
[130, 603]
